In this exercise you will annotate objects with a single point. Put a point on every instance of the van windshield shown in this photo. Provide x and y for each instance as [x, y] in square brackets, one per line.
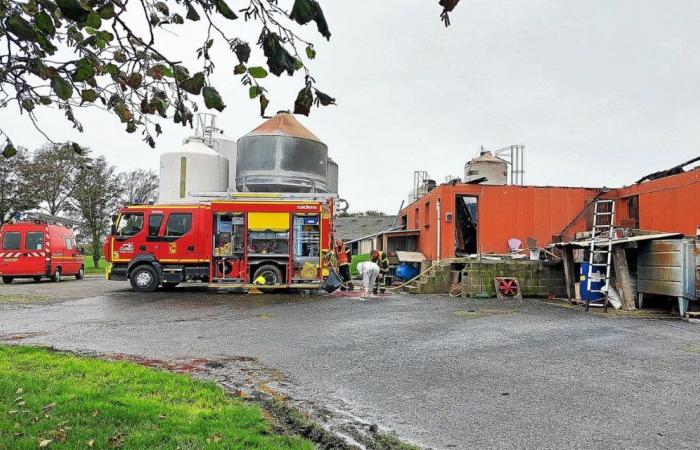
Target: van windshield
[34, 240]
[10, 240]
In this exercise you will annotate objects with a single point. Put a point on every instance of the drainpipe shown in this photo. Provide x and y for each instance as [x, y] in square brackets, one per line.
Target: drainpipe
[439, 222]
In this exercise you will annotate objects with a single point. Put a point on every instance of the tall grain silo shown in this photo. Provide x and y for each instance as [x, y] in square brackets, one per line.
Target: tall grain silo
[493, 168]
[281, 155]
[332, 176]
[192, 168]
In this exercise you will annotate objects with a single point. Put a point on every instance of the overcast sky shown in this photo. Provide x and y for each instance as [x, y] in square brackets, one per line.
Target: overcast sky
[600, 92]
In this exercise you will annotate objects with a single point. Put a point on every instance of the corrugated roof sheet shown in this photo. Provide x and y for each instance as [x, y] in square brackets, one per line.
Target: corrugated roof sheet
[356, 227]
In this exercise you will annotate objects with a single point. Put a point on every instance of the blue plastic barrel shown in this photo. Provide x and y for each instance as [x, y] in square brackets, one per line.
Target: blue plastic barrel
[406, 272]
[595, 285]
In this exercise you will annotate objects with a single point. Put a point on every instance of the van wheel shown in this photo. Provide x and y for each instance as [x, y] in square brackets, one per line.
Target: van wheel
[144, 278]
[56, 278]
[7, 280]
[170, 286]
[80, 274]
[270, 273]
[37, 279]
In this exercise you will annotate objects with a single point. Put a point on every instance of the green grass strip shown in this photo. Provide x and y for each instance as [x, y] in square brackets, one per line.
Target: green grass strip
[64, 401]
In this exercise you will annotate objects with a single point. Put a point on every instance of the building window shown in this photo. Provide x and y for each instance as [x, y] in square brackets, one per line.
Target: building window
[427, 213]
[633, 210]
[416, 220]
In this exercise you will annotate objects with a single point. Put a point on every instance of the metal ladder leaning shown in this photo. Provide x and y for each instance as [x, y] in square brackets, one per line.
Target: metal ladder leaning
[603, 233]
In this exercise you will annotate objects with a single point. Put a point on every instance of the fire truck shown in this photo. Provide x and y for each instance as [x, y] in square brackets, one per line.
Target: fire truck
[261, 241]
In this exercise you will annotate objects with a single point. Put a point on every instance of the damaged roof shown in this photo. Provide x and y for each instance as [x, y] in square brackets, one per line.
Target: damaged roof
[357, 227]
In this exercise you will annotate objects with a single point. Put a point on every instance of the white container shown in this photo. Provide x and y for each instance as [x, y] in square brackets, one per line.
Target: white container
[192, 168]
[493, 168]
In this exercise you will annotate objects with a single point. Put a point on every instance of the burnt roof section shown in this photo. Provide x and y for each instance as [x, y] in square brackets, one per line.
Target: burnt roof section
[668, 172]
[357, 227]
[284, 124]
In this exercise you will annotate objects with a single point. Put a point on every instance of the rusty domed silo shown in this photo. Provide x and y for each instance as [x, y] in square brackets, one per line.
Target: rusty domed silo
[281, 155]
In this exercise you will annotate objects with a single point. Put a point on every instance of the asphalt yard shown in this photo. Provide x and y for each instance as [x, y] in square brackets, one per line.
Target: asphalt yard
[440, 372]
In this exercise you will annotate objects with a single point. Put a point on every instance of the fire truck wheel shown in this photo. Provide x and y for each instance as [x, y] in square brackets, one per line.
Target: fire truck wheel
[80, 274]
[56, 277]
[271, 274]
[144, 278]
[7, 280]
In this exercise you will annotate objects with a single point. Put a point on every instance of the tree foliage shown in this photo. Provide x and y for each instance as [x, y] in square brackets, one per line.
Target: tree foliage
[52, 176]
[95, 198]
[109, 54]
[138, 187]
[15, 195]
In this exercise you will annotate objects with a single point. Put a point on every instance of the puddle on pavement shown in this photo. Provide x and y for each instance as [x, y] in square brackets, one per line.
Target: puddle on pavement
[477, 313]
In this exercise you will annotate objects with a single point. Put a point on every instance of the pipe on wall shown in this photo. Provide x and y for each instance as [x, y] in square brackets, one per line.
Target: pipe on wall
[439, 222]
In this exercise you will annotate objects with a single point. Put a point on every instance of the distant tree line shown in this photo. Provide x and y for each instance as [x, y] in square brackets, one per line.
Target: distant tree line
[56, 180]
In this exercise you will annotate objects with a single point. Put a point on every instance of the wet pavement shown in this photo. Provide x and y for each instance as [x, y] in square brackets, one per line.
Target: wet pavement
[439, 371]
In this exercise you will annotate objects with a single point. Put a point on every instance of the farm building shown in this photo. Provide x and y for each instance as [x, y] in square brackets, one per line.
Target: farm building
[456, 219]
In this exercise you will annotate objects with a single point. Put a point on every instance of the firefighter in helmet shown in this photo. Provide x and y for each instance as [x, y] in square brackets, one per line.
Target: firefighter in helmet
[343, 257]
[380, 259]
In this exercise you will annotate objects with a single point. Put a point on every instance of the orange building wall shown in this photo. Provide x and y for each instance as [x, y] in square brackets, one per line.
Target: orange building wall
[505, 212]
[670, 204]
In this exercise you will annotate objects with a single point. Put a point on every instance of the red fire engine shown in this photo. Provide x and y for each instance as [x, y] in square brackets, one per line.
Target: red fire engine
[39, 247]
[253, 240]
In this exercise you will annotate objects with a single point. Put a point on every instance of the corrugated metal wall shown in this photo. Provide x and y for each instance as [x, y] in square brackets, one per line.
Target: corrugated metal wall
[671, 204]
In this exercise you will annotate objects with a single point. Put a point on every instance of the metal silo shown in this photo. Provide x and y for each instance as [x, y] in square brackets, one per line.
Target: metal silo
[332, 176]
[494, 169]
[281, 156]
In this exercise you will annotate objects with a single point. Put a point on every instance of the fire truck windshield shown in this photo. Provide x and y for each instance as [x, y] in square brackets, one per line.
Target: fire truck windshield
[130, 224]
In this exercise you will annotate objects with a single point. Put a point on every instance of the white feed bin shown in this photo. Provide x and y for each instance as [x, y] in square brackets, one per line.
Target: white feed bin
[192, 168]
[225, 146]
[493, 168]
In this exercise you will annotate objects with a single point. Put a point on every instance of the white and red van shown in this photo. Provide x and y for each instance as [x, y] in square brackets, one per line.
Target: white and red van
[36, 249]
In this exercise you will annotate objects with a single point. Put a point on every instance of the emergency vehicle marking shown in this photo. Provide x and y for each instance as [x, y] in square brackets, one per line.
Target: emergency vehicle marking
[127, 248]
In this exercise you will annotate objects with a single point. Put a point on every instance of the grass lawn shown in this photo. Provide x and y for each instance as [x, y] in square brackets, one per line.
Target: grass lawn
[90, 266]
[62, 401]
[357, 259]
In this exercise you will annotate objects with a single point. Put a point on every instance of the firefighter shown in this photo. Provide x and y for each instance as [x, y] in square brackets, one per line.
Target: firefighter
[381, 260]
[369, 272]
[343, 257]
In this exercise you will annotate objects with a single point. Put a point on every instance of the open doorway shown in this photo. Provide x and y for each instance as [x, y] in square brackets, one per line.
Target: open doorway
[466, 226]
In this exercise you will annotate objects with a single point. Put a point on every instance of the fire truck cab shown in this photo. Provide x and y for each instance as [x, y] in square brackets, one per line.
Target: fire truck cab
[251, 241]
[37, 249]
